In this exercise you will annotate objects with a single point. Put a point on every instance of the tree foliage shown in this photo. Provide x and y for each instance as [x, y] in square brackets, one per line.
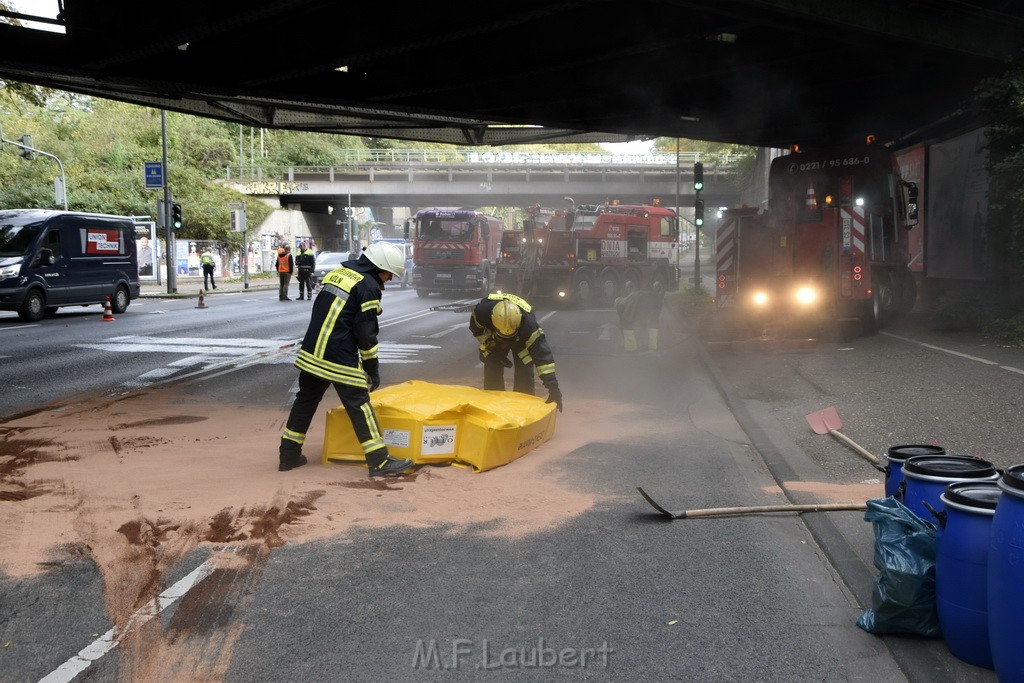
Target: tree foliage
[1001, 102]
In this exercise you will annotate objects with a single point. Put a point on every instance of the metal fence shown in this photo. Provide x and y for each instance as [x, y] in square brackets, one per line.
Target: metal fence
[363, 160]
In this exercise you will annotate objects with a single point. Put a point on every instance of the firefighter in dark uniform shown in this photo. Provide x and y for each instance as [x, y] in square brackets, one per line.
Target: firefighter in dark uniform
[340, 348]
[503, 323]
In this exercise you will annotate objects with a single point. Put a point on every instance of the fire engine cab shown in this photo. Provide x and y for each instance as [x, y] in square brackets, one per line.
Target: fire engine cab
[831, 249]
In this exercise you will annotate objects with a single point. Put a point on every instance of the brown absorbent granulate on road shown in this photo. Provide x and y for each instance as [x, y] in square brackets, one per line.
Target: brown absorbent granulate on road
[117, 467]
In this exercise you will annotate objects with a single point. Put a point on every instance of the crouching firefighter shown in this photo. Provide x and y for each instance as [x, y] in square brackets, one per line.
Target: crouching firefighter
[340, 349]
[503, 323]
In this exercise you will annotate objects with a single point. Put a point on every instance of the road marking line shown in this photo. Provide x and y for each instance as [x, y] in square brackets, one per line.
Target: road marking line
[66, 672]
[952, 353]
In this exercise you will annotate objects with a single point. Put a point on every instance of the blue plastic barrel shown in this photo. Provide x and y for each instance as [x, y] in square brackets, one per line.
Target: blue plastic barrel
[896, 456]
[961, 568]
[1006, 578]
[926, 477]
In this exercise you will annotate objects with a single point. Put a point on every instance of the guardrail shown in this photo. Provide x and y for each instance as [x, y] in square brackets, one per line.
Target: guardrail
[368, 160]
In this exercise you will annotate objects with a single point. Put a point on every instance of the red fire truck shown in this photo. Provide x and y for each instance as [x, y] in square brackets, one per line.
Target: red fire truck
[454, 250]
[831, 249]
[586, 254]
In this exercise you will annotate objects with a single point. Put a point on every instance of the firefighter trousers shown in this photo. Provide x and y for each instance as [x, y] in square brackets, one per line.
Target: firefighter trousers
[356, 401]
[494, 373]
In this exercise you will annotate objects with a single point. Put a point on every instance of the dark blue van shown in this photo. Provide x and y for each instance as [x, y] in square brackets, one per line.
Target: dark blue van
[50, 259]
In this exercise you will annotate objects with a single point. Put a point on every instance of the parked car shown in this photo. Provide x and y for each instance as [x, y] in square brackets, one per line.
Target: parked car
[326, 261]
[407, 247]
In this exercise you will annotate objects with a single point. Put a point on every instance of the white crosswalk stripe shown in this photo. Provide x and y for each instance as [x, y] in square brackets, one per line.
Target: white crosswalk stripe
[226, 353]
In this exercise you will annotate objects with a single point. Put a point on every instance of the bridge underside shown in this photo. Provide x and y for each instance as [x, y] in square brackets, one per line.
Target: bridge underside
[766, 73]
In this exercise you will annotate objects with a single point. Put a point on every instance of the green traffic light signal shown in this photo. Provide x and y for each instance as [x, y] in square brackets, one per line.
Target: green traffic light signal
[176, 216]
[698, 212]
[698, 176]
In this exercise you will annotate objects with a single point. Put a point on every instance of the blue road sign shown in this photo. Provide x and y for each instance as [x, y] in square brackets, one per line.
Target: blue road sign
[154, 175]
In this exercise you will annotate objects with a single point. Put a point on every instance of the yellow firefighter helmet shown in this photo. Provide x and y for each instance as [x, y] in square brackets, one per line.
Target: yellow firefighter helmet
[506, 317]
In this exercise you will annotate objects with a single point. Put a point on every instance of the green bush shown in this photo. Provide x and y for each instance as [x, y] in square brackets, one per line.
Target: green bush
[1009, 331]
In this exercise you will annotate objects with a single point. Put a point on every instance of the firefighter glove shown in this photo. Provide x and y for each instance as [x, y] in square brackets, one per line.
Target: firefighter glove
[374, 379]
[555, 396]
[506, 361]
[483, 358]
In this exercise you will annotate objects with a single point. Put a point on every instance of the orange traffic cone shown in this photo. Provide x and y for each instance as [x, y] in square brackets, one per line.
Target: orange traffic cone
[108, 317]
[812, 199]
[202, 301]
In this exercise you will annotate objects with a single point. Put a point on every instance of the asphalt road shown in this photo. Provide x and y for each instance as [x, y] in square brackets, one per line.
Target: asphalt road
[639, 597]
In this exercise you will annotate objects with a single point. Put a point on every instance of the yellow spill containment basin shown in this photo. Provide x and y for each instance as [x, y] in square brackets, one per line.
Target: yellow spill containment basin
[443, 423]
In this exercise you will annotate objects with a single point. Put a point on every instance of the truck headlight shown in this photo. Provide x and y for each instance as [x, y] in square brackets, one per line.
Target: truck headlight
[760, 298]
[806, 296]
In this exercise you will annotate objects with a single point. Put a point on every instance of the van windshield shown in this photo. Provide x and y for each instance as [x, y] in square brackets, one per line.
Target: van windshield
[16, 240]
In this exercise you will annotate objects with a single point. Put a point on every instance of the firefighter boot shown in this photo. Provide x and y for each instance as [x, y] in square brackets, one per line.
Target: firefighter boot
[629, 340]
[290, 456]
[390, 467]
[652, 338]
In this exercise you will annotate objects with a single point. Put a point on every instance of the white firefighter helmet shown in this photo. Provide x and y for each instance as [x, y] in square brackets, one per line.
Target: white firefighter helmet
[386, 256]
[506, 317]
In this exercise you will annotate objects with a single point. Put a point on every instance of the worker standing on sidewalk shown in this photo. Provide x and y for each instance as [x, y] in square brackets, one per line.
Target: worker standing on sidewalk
[285, 266]
[505, 322]
[340, 349]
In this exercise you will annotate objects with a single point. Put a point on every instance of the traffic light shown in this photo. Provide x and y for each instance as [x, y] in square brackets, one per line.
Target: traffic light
[698, 176]
[698, 212]
[27, 153]
[176, 216]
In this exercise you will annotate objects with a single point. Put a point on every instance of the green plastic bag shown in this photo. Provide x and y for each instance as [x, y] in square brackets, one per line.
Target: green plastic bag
[903, 599]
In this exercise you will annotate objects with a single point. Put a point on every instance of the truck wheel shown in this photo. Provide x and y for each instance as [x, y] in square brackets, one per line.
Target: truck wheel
[633, 275]
[583, 289]
[33, 308]
[608, 286]
[485, 282]
[119, 302]
[872, 317]
[422, 293]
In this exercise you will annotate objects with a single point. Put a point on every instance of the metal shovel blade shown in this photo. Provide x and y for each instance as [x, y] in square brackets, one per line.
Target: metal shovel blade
[825, 420]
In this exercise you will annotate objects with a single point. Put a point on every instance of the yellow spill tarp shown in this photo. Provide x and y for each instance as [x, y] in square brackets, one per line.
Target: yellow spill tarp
[442, 423]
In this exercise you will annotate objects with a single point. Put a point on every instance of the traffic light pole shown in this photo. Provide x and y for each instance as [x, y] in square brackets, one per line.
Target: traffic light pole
[165, 217]
[27, 151]
[698, 220]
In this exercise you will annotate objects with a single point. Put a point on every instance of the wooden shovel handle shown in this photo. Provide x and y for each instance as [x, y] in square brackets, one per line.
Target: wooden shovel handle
[721, 512]
[849, 442]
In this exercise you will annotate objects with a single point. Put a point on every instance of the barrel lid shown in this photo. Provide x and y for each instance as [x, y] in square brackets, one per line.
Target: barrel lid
[980, 495]
[951, 466]
[909, 450]
[1013, 480]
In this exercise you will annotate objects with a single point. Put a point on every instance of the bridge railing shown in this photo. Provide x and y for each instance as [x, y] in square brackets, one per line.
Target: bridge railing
[384, 160]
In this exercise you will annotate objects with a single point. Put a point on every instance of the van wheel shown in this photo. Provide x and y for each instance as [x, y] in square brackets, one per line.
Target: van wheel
[119, 302]
[33, 308]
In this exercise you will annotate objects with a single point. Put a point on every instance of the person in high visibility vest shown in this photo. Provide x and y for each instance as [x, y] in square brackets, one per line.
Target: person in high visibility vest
[340, 349]
[207, 262]
[285, 266]
[505, 322]
[305, 261]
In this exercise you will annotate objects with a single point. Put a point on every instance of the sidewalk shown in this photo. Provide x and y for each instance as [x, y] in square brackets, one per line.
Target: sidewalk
[189, 286]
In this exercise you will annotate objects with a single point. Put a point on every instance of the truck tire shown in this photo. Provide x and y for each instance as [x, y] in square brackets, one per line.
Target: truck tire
[422, 293]
[583, 289]
[608, 286]
[872, 315]
[485, 280]
[33, 308]
[633, 275]
[119, 302]
[668, 282]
